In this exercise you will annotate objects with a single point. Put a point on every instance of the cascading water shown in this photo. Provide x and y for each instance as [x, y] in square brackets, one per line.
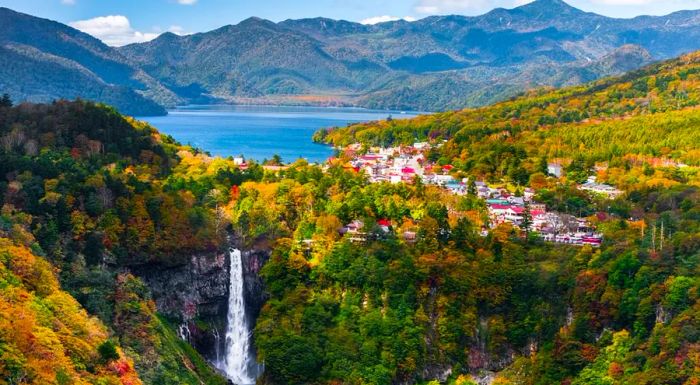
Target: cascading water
[239, 363]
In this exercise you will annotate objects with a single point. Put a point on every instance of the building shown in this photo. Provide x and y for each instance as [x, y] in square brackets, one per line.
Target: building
[608, 191]
[555, 169]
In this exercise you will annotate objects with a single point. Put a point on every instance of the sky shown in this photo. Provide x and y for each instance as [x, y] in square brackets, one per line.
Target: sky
[120, 22]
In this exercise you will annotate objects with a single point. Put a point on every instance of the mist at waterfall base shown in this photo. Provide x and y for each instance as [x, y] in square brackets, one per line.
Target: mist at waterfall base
[238, 361]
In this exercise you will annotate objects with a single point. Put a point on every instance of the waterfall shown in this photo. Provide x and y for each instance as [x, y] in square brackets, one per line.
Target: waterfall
[183, 331]
[239, 363]
[217, 346]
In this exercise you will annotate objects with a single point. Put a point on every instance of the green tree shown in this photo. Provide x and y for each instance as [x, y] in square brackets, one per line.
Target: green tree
[6, 101]
[108, 351]
[527, 219]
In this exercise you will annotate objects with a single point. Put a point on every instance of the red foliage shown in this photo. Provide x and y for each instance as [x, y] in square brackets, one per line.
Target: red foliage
[120, 367]
[615, 370]
[235, 192]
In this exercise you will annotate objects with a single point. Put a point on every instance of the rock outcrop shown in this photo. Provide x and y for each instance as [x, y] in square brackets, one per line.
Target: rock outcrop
[194, 295]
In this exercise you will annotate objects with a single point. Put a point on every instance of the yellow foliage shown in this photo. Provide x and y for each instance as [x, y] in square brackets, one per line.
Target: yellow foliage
[45, 336]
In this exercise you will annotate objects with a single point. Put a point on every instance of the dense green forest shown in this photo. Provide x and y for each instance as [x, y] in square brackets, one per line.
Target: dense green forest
[88, 195]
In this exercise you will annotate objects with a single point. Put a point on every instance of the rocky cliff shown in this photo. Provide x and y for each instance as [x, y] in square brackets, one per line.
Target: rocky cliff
[195, 295]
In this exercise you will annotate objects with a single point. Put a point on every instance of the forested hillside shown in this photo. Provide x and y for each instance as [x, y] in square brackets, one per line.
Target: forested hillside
[367, 283]
[647, 113]
[45, 336]
[93, 193]
[42, 60]
[455, 306]
[433, 64]
[454, 303]
[437, 63]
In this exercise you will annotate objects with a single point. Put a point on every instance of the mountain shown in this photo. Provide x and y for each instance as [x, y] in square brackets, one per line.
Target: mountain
[42, 60]
[639, 94]
[436, 63]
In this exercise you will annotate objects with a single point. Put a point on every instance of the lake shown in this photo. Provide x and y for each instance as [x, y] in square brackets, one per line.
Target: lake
[259, 132]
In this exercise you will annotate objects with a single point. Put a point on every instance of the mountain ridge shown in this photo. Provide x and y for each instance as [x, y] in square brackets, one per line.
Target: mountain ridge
[432, 64]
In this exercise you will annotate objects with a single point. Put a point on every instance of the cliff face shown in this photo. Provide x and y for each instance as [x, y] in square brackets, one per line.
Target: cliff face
[255, 296]
[195, 295]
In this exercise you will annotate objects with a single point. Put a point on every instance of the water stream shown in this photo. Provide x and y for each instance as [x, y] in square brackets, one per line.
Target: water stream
[238, 362]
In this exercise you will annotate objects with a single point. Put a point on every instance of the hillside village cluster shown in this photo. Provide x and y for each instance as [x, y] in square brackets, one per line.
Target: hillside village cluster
[405, 164]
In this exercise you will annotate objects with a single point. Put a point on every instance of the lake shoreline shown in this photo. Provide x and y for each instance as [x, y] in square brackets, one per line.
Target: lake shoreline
[260, 132]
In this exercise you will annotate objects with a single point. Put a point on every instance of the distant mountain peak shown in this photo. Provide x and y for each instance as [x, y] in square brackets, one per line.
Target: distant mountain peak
[549, 7]
[254, 20]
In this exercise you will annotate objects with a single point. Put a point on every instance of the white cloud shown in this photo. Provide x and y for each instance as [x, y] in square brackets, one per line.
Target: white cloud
[68, 2]
[384, 19]
[178, 30]
[114, 30]
[186, 2]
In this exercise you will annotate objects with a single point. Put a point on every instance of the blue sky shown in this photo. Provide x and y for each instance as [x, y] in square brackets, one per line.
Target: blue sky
[118, 22]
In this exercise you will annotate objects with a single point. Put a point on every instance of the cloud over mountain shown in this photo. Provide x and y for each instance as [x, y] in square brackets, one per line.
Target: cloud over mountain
[114, 30]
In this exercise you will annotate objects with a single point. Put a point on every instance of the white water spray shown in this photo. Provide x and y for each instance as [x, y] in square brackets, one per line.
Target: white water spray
[239, 363]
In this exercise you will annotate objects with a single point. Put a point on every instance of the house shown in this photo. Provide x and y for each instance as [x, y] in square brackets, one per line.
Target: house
[443, 179]
[555, 169]
[483, 192]
[529, 193]
[384, 224]
[501, 213]
[409, 236]
[408, 171]
[456, 188]
[608, 191]
[535, 206]
[353, 231]
[354, 227]
[519, 201]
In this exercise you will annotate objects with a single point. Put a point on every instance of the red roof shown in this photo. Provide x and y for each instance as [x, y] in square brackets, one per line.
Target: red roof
[384, 222]
[447, 167]
[497, 206]
[408, 170]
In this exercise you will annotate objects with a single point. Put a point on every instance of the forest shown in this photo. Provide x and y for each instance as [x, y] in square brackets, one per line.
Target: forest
[89, 195]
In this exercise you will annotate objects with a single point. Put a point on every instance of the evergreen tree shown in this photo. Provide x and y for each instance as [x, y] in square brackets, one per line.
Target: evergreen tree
[471, 187]
[527, 219]
[6, 101]
[543, 167]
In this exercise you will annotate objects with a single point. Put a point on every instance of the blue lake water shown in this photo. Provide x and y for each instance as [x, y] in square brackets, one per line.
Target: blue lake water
[259, 132]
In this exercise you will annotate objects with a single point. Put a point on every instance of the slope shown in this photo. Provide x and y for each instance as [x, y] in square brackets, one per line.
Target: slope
[68, 63]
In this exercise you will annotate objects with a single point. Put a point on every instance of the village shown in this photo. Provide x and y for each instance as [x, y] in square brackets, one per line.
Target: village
[408, 164]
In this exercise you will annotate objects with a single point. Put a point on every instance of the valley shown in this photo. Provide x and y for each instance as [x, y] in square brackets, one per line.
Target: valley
[547, 235]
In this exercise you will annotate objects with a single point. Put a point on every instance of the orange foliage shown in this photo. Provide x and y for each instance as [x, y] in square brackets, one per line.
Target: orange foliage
[45, 336]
